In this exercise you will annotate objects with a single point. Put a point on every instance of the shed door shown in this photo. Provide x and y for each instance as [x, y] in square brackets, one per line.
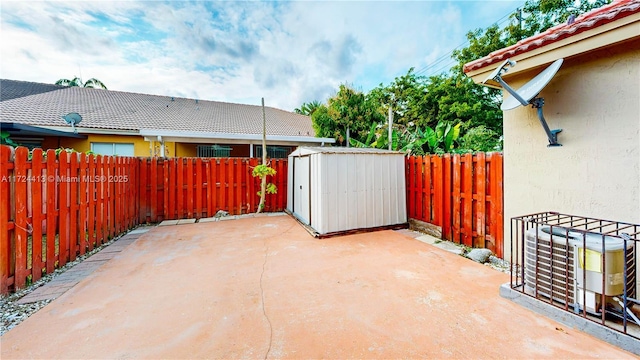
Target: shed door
[301, 189]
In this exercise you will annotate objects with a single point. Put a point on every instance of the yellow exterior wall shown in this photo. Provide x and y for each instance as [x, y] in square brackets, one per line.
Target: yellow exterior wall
[595, 100]
[140, 146]
[186, 150]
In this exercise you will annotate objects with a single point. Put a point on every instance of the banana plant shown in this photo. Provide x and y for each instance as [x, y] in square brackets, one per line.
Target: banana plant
[436, 141]
[5, 139]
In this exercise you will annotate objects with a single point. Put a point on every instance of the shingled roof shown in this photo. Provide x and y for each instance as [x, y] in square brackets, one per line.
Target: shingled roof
[13, 89]
[117, 110]
[595, 18]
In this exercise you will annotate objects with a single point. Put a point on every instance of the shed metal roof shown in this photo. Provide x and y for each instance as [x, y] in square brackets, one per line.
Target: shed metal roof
[308, 150]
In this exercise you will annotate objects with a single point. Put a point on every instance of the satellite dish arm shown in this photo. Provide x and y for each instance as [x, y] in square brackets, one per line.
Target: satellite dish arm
[552, 135]
[510, 90]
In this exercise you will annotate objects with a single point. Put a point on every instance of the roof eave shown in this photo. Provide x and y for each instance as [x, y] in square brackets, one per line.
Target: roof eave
[621, 30]
[205, 137]
[17, 129]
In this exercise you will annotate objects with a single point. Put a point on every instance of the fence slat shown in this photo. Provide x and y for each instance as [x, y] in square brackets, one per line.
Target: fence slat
[91, 203]
[208, 188]
[6, 172]
[230, 186]
[239, 166]
[438, 190]
[21, 216]
[199, 183]
[111, 190]
[63, 208]
[480, 202]
[153, 182]
[253, 162]
[99, 201]
[142, 194]
[51, 211]
[467, 210]
[447, 226]
[36, 215]
[169, 188]
[457, 198]
[498, 199]
[83, 210]
[223, 186]
[73, 206]
[180, 189]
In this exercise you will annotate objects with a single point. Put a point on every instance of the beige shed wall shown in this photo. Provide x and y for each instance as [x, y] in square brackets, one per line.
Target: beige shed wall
[595, 99]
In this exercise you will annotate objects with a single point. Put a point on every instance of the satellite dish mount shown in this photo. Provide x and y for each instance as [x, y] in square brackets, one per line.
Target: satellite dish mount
[528, 94]
[72, 119]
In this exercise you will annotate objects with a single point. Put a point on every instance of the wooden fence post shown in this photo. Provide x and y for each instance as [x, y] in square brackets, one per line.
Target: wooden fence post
[73, 205]
[21, 216]
[480, 176]
[36, 215]
[6, 172]
[63, 208]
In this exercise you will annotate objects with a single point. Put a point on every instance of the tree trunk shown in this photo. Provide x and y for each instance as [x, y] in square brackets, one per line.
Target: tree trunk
[263, 184]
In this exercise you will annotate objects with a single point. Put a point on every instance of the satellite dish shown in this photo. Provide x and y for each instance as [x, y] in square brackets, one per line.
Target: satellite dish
[73, 119]
[531, 89]
[527, 94]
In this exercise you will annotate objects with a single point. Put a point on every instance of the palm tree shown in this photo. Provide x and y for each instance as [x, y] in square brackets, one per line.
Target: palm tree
[308, 108]
[76, 81]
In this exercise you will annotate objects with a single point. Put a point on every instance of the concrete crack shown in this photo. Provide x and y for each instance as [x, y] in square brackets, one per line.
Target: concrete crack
[264, 311]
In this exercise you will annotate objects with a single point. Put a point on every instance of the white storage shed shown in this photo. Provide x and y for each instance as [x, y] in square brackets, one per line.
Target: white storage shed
[333, 189]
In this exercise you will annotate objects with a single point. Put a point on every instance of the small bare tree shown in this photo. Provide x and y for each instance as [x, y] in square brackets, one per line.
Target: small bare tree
[263, 170]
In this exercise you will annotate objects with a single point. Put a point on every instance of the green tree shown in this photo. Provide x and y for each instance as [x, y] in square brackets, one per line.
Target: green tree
[76, 81]
[347, 109]
[481, 139]
[455, 98]
[407, 95]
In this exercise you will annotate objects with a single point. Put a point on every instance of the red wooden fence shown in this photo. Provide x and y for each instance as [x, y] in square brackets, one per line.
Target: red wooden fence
[55, 208]
[462, 194]
[194, 188]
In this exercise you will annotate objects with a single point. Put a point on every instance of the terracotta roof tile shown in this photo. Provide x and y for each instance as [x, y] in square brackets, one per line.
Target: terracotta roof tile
[107, 109]
[593, 19]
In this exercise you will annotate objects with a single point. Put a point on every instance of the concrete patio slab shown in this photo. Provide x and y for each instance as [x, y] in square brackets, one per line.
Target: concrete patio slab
[263, 288]
[65, 281]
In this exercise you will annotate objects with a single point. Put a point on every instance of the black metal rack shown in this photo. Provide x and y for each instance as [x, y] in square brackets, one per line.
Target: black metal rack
[560, 259]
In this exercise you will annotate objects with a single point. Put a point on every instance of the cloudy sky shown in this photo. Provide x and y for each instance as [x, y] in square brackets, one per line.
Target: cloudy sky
[235, 51]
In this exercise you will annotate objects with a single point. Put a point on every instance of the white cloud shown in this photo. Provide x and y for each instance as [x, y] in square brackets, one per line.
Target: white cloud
[287, 52]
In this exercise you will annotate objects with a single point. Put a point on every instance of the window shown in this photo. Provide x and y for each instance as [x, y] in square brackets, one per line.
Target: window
[29, 143]
[275, 152]
[122, 149]
[214, 151]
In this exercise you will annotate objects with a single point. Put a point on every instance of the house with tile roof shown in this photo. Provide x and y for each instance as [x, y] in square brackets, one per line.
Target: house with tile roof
[116, 122]
[594, 98]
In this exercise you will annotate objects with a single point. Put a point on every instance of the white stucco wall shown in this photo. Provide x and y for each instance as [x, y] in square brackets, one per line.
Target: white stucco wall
[595, 99]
